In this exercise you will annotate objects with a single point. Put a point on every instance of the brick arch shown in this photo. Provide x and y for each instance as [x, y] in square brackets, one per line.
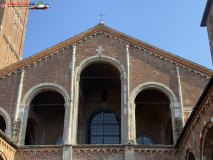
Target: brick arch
[175, 107]
[157, 86]
[189, 155]
[104, 59]
[7, 120]
[44, 87]
[2, 156]
[99, 59]
[24, 108]
[206, 128]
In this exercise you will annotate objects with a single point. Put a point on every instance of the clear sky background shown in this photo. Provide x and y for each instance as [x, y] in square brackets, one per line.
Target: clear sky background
[173, 26]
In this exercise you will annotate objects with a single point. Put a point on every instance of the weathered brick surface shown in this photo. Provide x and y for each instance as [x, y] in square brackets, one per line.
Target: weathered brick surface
[197, 137]
[13, 21]
[48, 153]
[98, 153]
[144, 67]
[7, 152]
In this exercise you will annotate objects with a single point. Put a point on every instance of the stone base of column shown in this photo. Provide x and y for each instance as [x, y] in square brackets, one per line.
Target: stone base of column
[129, 142]
[67, 152]
[129, 152]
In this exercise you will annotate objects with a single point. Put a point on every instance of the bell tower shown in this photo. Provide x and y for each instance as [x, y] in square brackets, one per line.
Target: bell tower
[207, 21]
[13, 21]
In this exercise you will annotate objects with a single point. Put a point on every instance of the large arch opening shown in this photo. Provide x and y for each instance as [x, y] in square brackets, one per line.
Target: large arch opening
[2, 123]
[100, 87]
[45, 119]
[153, 118]
[208, 146]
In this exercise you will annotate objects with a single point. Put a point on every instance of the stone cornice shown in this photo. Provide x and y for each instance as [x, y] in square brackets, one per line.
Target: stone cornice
[117, 35]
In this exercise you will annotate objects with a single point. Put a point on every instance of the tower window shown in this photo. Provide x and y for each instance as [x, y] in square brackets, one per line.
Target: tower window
[104, 95]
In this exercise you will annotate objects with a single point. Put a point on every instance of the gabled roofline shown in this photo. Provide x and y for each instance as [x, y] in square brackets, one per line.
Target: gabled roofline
[101, 27]
[206, 13]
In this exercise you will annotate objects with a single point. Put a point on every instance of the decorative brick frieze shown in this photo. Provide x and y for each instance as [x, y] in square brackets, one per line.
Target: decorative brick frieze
[10, 45]
[77, 40]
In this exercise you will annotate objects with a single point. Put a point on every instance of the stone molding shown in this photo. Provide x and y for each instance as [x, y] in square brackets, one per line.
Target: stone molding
[158, 86]
[41, 87]
[100, 58]
[7, 120]
[24, 107]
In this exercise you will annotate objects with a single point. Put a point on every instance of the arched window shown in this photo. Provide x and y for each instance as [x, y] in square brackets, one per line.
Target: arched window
[59, 140]
[143, 139]
[2, 123]
[103, 127]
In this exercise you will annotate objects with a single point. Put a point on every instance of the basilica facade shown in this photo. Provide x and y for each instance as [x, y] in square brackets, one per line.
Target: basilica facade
[105, 95]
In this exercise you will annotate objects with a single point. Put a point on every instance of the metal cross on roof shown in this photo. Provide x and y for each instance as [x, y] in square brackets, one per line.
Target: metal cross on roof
[101, 15]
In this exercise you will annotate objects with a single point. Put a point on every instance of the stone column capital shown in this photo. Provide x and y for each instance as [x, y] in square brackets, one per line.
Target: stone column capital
[27, 107]
[78, 78]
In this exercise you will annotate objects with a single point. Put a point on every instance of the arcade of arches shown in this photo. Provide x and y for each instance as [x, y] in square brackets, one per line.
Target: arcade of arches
[99, 114]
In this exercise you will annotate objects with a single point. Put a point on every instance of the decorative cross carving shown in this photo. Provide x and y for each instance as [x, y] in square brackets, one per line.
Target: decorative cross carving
[100, 49]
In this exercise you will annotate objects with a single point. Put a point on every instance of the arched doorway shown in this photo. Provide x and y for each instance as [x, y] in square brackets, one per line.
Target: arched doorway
[45, 118]
[2, 123]
[207, 145]
[153, 118]
[100, 87]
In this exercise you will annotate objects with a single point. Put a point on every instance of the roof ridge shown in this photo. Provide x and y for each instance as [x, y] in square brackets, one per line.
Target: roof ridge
[136, 43]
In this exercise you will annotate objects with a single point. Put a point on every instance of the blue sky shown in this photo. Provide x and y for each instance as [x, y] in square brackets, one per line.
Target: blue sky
[173, 26]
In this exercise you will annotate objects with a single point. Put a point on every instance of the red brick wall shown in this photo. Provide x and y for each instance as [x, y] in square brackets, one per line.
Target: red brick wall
[8, 93]
[15, 33]
[143, 68]
[6, 150]
[196, 137]
[38, 154]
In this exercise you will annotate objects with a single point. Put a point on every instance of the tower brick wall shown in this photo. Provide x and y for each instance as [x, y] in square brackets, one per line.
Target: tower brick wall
[13, 21]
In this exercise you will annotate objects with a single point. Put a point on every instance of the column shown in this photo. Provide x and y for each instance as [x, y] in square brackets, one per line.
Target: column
[129, 111]
[75, 110]
[20, 126]
[177, 124]
[68, 130]
[180, 93]
[16, 128]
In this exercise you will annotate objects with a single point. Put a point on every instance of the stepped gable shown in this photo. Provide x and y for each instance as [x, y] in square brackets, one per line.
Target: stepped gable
[101, 28]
